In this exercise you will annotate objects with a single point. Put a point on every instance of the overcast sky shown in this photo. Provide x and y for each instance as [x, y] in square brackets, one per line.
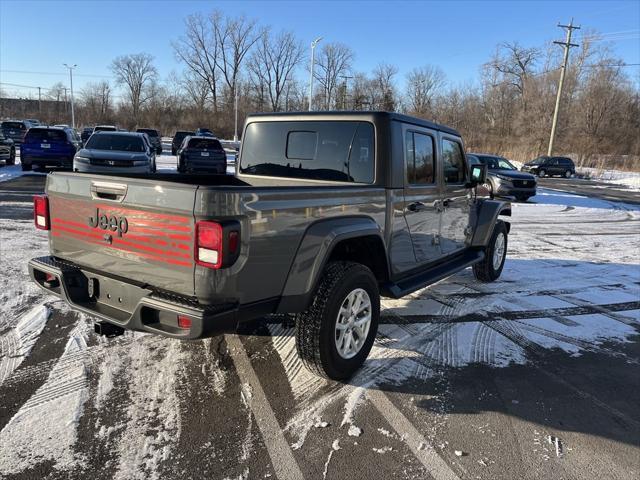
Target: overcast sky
[38, 37]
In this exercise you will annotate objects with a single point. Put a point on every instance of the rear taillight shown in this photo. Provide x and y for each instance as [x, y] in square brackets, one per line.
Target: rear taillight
[41, 212]
[217, 245]
[208, 248]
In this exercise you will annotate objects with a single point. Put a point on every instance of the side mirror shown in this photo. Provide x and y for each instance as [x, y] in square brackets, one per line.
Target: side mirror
[478, 175]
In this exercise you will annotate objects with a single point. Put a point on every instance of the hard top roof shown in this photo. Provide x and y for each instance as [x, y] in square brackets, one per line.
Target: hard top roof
[371, 116]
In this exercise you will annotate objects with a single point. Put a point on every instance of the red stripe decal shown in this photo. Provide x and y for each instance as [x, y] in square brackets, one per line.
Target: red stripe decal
[120, 241]
[146, 255]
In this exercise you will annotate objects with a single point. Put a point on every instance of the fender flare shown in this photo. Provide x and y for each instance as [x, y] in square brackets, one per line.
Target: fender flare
[486, 216]
[315, 248]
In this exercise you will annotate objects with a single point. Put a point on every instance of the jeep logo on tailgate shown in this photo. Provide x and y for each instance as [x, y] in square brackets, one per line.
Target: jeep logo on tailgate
[106, 222]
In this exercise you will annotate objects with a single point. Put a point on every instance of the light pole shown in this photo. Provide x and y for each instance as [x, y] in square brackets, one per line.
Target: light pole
[235, 135]
[313, 61]
[73, 117]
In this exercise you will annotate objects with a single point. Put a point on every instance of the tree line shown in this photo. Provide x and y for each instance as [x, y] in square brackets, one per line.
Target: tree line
[507, 111]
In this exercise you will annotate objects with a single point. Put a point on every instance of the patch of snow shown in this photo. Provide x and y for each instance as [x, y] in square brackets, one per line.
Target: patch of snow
[630, 180]
[382, 450]
[45, 427]
[354, 431]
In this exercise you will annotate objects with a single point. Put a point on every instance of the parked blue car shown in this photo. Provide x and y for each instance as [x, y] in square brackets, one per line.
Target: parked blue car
[49, 147]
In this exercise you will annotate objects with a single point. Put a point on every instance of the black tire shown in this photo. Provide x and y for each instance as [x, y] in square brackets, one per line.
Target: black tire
[522, 198]
[485, 271]
[12, 157]
[542, 173]
[567, 174]
[25, 167]
[173, 151]
[316, 327]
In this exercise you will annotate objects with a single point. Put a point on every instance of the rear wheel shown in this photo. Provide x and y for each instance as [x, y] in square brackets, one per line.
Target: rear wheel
[336, 333]
[25, 167]
[542, 173]
[490, 268]
[567, 174]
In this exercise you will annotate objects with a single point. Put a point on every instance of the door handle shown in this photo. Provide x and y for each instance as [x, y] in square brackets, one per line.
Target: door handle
[108, 191]
[445, 202]
[416, 206]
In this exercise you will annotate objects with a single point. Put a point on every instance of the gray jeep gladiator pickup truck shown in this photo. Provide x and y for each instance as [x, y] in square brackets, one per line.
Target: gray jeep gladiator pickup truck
[326, 213]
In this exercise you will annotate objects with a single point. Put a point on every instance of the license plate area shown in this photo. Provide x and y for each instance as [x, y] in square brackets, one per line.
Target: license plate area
[204, 154]
[45, 145]
[115, 294]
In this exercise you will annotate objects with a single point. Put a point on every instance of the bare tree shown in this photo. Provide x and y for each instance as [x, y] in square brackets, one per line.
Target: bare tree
[385, 90]
[96, 99]
[334, 60]
[235, 36]
[200, 50]
[423, 83]
[138, 74]
[516, 64]
[272, 65]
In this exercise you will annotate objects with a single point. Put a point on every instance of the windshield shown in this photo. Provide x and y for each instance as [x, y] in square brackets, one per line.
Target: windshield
[105, 129]
[538, 160]
[13, 125]
[205, 144]
[41, 134]
[148, 131]
[122, 143]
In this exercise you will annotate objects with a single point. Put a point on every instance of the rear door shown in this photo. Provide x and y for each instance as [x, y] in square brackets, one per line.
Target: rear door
[455, 199]
[422, 192]
[132, 228]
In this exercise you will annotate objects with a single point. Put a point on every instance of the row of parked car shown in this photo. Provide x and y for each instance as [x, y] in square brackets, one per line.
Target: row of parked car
[107, 148]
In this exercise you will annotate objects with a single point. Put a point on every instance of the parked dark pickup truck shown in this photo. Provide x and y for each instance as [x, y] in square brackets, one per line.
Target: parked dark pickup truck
[327, 212]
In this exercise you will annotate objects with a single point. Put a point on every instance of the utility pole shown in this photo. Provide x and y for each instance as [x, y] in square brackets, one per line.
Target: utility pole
[73, 117]
[313, 61]
[567, 45]
[235, 135]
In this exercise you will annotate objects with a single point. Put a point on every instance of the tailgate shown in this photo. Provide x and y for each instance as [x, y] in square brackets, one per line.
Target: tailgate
[137, 229]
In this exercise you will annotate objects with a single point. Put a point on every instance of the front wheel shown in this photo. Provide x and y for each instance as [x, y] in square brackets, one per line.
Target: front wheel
[542, 173]
[567, 174]
[490, 268]
[522, 198]
[336, 333]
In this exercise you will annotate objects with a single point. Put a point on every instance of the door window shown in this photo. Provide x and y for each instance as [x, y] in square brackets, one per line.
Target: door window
[419, 158]
[453, 162]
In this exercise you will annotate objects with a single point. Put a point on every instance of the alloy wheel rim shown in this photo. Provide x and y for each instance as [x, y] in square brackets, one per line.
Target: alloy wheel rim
[498, 251]
[353, 323]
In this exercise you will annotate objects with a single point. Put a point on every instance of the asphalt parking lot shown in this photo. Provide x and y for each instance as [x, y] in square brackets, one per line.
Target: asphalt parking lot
[534, 376]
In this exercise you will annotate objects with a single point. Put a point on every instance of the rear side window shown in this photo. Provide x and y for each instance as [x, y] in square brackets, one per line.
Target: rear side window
[41, 134]
[420, 159]
[453, 162]
[14, 125]
[122, 143]
[334, 151]
[205, 144]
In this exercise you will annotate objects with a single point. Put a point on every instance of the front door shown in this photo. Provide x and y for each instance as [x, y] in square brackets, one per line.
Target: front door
[422, 194]
[456, 202]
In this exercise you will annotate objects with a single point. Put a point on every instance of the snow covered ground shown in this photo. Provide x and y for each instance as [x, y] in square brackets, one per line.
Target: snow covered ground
[631, 180]
[142, 406]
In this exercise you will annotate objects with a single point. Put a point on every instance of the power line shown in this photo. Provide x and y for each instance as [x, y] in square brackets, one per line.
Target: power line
[61, 74]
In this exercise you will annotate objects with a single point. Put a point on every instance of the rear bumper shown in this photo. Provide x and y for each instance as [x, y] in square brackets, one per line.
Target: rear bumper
[131, 306]
[47, 161]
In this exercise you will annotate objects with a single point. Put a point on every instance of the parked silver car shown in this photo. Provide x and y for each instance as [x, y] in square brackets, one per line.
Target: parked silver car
[116, 152]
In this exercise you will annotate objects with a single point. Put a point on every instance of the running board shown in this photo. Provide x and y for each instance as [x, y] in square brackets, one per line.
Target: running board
[431, 275]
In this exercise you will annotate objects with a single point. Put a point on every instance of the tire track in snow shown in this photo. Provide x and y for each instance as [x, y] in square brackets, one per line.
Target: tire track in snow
[44, 429]
[16, 344]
